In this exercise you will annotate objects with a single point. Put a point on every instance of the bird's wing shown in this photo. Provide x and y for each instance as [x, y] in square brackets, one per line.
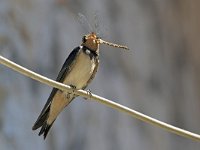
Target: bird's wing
[61, 76]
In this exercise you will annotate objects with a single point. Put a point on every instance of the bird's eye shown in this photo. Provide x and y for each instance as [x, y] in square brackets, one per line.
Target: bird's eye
[84, 39]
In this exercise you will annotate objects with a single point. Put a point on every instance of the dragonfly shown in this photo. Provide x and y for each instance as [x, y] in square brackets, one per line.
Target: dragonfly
[78, 71]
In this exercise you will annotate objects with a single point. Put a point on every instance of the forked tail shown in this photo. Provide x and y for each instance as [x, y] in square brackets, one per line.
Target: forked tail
[42, 122]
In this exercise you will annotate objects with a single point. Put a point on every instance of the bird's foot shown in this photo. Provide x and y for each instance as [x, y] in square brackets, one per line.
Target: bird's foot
[88, 93]
[73, 88]
[68, 95]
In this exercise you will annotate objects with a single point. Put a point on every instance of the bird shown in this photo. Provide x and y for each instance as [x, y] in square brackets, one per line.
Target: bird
[78, 71]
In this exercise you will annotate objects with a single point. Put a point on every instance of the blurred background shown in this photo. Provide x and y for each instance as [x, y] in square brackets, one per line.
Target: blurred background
[159, 76]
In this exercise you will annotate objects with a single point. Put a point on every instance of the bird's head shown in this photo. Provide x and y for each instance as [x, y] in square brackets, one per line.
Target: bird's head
[92, 41]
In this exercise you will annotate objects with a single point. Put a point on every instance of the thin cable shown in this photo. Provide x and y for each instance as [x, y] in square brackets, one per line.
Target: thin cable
[99, 99]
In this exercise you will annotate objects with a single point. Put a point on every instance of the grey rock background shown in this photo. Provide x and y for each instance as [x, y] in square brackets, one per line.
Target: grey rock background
[159, 76]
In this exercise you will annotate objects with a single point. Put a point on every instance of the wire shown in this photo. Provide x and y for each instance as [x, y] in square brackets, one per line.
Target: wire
[99, 99]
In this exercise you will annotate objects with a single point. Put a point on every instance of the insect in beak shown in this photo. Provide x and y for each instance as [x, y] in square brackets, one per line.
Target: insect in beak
[112, 44]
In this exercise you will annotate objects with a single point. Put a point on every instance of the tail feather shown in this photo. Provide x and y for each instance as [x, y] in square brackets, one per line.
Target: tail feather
[42, 122]
[45, 129]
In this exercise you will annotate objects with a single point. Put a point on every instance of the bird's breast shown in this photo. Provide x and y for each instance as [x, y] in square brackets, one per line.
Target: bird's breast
[81, 71]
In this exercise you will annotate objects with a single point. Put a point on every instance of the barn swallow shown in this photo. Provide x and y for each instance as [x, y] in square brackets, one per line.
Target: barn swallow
[78, 71]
